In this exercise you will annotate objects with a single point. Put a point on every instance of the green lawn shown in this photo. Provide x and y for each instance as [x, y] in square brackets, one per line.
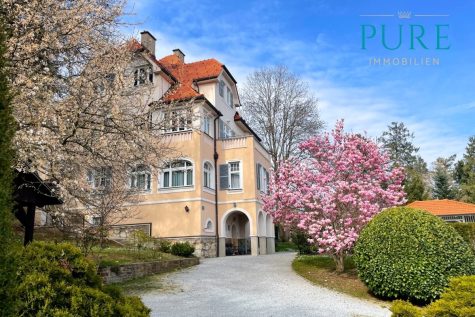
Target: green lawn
[114, 256]
[320, 270]
[287, 246]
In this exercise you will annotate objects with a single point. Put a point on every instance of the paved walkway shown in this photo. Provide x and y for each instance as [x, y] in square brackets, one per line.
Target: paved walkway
[251, 286]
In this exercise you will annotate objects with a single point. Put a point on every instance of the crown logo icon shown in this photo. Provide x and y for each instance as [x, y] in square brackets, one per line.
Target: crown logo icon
[404, 14]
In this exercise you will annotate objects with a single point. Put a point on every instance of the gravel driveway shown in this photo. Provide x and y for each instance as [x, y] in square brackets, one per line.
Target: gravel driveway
[251, 286]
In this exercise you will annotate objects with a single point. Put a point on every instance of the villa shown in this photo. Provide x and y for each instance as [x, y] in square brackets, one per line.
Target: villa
[448, 210]
[211, 195]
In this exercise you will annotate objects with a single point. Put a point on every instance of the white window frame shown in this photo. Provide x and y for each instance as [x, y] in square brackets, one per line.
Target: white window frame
[135, 173]
[180, 120]
[263, 179]
[98, 178]
[240, 173]
[143, 75]
[206, 124]
[169, 169]
[221, 86]
[210, 175]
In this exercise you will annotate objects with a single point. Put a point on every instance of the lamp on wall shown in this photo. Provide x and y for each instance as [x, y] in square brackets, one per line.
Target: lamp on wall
[187, 209]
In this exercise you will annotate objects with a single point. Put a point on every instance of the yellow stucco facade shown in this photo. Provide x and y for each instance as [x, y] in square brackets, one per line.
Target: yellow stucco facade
[180, 206]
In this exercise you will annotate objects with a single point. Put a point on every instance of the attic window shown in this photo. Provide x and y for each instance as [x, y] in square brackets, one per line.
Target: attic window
[143, 75]
[221, 88]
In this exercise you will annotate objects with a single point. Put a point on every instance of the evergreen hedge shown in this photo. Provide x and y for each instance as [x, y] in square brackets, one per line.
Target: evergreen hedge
[467, 232]
[410, 254]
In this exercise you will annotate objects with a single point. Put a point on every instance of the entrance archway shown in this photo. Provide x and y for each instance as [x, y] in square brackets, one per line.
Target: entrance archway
[236, 227]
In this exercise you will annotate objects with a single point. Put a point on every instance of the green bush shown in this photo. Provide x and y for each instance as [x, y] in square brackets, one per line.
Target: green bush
[57, 280]
[164, 245]
[457, 300]
[410, 254]
[402, 308]
[467, 231]
[300, 239]
[182, 249]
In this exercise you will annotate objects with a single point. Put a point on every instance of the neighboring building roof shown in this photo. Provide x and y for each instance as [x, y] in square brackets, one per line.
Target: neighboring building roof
[444, 207]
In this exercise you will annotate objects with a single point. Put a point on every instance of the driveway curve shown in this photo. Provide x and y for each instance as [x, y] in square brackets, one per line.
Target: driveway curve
[251, 286]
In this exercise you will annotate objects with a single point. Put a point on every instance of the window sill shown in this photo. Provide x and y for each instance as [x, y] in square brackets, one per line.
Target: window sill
[232, 191]
[176, 189]
[208, 190]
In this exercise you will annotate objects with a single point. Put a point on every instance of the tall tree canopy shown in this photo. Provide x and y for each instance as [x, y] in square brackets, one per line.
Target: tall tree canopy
[464, 173]
[74, 101]
[443, 182]
[280, 109]
[342, 183]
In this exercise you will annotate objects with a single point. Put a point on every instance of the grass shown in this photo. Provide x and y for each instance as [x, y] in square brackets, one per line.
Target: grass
[141, 285]
[287, 246]
[320, 270]
[117, 256]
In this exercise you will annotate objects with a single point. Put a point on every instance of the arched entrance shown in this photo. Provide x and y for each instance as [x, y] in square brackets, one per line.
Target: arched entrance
[236, 227]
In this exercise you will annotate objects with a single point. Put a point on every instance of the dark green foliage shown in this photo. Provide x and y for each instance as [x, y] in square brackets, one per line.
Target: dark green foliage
[464, 173]
[457, 300]
[415, 187]
[300, 239]
[397, 141]
[410, 254]
[164, 245]
[442, 187]
[7, 243]
[57, 280]
[182, 249]
[467, 232]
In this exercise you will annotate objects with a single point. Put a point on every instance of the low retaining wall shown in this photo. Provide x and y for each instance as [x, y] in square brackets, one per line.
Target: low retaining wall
[124, 272]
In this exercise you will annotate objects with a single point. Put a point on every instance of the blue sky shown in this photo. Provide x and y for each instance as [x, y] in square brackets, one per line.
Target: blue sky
[322, 42]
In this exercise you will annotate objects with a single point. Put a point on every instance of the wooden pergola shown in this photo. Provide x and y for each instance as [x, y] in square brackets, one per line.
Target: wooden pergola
[29, 192]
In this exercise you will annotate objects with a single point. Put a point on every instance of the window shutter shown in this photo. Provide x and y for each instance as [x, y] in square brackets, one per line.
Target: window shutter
[223, 176]
[221, 129]
[258, 175]
[267, 182]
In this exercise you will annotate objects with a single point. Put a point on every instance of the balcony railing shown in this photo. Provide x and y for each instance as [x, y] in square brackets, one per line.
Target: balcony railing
[178, 136]
[234, 143]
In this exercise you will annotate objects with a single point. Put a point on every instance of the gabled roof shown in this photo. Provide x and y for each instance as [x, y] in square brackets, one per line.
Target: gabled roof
[187, 74]
[444, 207]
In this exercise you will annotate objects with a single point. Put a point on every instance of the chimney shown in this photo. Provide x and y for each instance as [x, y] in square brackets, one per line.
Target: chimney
[148, 41]
[179, 54]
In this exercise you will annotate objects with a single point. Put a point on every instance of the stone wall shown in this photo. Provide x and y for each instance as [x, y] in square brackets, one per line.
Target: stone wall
[124, 272]
[205, 247]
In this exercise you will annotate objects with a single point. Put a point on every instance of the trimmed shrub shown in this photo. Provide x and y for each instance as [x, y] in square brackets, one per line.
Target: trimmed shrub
[164, 245]
[410, 254]
[457, 300]
[57, 280]
[467, 231]
[182, 249]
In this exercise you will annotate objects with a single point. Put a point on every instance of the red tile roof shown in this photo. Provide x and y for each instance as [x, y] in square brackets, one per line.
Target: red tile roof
[444, 207]
[186, 74]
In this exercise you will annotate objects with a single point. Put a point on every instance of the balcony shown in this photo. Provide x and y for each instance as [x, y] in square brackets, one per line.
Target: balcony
[178, 136]
[234, 143]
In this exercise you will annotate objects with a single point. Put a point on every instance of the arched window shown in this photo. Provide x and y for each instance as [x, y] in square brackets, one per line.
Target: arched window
[177, 174]
[140, 178]
[208, 175]
[209, 225]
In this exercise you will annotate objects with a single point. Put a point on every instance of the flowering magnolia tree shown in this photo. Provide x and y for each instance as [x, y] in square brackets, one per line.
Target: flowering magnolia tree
[342, 183]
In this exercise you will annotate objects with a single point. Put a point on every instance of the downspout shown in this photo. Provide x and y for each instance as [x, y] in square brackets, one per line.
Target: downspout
[215, 156]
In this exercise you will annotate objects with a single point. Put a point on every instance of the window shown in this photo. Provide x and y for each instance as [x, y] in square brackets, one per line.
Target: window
[96, 220]
[177, 174]
[140, 178]
[208, 175]
[229, 97]
[100, 177]
[262, 177]
[179, 120]
[206, 124]
[225, 131]
[209, 225]
[143, 75]
[221, 88]
[234, 175]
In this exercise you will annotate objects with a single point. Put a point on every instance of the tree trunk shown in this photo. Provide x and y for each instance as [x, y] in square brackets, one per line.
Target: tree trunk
[339, 262]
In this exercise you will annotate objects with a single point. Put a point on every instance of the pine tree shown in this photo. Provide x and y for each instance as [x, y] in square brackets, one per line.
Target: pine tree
[464, 173]
[415, 187]
[443, 182]
[7, 259]
[397, 141]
